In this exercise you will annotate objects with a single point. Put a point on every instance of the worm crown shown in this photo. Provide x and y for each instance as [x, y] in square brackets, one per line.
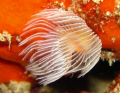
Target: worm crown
[59, 43]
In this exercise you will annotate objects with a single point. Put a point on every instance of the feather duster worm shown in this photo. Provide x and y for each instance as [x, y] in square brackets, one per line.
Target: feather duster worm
[59, 42]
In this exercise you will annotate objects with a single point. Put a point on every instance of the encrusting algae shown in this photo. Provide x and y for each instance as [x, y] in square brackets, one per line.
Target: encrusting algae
[15, 87]
[5, 36]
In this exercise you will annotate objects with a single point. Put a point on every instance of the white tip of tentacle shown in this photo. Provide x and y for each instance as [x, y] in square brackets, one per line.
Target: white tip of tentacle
[61, 43]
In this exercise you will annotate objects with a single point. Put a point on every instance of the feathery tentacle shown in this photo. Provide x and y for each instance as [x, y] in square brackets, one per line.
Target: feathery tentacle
[68, 45]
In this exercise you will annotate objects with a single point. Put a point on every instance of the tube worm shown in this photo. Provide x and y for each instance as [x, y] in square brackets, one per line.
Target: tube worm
[58, 42]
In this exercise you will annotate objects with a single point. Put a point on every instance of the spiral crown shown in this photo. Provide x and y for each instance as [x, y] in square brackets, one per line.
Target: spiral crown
[59, 43]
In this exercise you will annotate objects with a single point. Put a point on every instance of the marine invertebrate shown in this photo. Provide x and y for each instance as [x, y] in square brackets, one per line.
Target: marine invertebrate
[58, 42]
[108, 33]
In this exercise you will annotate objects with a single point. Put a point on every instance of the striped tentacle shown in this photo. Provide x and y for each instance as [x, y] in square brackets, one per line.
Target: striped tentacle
[68, 45]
